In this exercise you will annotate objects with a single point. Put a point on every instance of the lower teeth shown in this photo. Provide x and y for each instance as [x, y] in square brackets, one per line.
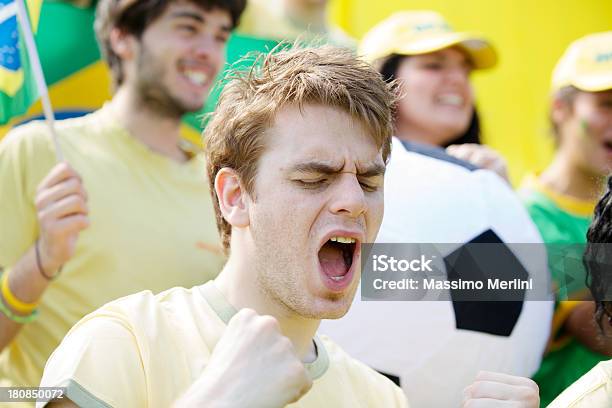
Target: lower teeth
[336, 278]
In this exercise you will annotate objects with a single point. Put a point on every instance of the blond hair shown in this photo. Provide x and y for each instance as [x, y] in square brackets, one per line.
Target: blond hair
[247, 107]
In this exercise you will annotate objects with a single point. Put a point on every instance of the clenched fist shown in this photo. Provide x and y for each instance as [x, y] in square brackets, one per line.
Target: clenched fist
[252, 365]
[493, 390]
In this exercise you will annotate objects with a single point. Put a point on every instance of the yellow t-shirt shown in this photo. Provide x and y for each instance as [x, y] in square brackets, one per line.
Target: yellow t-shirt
[149, 215]
[267, 19]
[145, 351]
[592, 390]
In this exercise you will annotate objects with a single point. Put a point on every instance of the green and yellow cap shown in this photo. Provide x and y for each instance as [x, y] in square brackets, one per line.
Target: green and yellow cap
[422, 32]
[586, 64]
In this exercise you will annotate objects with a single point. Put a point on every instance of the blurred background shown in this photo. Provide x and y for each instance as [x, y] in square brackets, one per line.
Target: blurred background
[530, 36]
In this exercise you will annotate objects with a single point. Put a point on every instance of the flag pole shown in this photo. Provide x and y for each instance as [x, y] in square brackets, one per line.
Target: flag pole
[26, 29]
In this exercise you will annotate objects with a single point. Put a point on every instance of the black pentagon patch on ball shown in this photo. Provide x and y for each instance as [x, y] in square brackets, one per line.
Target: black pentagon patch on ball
[497, 315]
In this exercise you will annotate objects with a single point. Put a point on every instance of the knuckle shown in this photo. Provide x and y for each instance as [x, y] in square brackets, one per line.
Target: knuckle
[268, 323]
[39, 202]
[243, 316]
[73, 184]
[285, 344]
[80, 201]
[527, 393]
[44, 219]
[295, 370]
[534, 385]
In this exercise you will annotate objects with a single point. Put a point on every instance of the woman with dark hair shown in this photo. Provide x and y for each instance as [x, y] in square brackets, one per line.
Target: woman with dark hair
[594, 389]
[432, 65]
[471, 134]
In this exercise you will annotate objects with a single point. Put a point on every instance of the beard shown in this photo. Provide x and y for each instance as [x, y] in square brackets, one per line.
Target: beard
[152, 93]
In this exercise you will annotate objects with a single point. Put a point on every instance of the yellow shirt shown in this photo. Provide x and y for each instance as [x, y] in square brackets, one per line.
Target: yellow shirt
[592, 390]
[149, 215]
[267, 19]
[145, 351]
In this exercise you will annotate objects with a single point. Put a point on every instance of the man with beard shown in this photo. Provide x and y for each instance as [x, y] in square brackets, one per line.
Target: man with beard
[128, 210]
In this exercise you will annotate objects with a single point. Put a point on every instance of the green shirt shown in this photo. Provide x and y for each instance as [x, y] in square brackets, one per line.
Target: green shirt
[560, 220]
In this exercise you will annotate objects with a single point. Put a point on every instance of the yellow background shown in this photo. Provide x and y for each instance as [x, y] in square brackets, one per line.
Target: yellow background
[529, 35]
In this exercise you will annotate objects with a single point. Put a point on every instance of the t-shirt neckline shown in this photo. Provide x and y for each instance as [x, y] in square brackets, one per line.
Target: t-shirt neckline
[226, 311]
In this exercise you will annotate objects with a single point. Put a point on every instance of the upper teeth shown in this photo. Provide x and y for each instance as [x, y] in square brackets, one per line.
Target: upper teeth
[451, 99]
[197, 77]
[343, 240]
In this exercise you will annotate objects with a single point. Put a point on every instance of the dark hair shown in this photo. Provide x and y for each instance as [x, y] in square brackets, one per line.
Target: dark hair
[388, 69]
[134, 16]
[598, 258]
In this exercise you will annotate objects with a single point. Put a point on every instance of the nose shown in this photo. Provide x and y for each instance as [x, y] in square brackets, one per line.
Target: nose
[458, 75]
[206, 47]
[348, 198]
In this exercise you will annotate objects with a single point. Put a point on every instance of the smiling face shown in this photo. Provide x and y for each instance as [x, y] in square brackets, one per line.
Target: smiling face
[585, 128]
[177, 58]
[318, 194]
[437, 98]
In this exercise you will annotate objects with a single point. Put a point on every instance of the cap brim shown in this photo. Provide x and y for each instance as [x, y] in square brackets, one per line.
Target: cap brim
[594, 83]
[480, 51]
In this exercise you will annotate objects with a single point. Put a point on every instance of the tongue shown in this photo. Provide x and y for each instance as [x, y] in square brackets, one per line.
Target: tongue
[332, 261]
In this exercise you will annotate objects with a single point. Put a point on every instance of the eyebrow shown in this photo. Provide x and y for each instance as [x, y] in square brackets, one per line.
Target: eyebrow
[195, 16]
[188, 14]
[373, 170]
[318, 167]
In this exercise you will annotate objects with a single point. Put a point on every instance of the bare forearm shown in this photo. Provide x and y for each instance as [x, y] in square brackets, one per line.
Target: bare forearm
[581, 324]
[27, 284]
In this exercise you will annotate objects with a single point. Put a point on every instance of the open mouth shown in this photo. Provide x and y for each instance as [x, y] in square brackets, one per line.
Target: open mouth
[336, 257]
[197, 78]
[607, 146]
[195, 73]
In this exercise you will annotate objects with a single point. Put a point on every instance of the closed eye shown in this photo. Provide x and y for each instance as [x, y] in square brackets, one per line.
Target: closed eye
[312, 184]
[369, 187]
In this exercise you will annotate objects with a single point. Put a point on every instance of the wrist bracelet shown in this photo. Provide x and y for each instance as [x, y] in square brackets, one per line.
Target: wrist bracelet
[17, 318]
[39, 264]
[11, 300]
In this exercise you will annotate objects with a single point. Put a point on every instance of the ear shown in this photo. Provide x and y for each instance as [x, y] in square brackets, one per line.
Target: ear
[561, 111]
[122, 44]
[233, 200]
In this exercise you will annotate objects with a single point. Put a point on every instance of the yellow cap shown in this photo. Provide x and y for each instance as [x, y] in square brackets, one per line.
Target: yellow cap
[586, 64]
[422, 32]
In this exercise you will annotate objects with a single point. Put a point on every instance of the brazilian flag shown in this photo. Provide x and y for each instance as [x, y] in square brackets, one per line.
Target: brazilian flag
[17, 86]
